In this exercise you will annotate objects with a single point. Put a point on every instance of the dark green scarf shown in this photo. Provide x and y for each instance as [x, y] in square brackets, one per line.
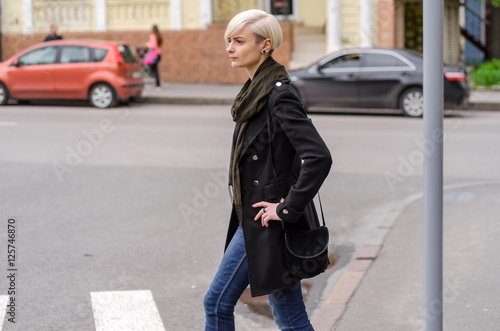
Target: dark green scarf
[251, 100]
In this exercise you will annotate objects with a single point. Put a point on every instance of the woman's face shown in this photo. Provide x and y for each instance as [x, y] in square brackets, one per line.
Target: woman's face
[244, 52]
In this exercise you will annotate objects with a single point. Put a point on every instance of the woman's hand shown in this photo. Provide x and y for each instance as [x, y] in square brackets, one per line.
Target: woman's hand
[267, 212]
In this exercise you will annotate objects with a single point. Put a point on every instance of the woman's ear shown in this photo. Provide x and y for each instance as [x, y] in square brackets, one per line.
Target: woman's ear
[268, 44]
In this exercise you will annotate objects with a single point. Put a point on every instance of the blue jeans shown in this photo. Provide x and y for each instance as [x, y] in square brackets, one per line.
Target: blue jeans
[229, 283]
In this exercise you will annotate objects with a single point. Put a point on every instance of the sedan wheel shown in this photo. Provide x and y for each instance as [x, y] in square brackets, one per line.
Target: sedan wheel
[102, 96]
[4, 94]
[412, 102]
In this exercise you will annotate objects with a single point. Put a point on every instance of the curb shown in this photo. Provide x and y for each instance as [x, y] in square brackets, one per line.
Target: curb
[382, 220]
[486, 106]
[332, 309]
[186, 101]
[483, 106]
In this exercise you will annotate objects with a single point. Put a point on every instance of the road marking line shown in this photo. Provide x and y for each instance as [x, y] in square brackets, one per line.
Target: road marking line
[7, 123]
[125, 310]
[4, 299]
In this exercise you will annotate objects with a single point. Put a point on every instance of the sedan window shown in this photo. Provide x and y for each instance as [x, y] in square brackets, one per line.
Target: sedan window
[345, 61]
[382, 60]
[75, 54]
[44, 55]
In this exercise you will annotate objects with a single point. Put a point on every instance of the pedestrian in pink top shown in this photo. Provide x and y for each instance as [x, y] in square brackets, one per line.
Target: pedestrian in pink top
[154, 45]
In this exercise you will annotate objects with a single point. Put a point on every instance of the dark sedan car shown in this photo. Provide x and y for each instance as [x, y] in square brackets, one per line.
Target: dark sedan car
[376, 79]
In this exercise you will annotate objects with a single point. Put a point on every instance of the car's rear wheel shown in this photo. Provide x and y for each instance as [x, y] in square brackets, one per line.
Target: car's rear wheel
[412, 102]
[4, 94]
[102, 96]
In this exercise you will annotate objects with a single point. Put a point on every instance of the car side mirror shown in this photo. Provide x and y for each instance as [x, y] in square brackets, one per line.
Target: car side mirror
[15, 63]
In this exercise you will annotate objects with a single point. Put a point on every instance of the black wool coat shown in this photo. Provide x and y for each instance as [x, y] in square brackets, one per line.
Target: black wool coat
[301, 161]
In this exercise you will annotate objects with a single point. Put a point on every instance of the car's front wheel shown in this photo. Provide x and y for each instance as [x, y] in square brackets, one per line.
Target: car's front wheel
[102, 96]
[412, 102]
[4, 94]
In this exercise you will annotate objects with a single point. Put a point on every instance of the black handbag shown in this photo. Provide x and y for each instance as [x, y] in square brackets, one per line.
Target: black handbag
[306, 252]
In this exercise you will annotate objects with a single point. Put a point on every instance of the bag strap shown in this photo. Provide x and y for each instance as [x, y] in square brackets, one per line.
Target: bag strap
[274, 171]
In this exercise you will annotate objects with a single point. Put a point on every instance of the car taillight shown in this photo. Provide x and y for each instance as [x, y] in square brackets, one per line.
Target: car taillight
[118, 56]
[455, 76]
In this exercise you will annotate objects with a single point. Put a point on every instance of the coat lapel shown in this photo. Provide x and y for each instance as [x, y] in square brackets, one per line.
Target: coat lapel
[255, 128]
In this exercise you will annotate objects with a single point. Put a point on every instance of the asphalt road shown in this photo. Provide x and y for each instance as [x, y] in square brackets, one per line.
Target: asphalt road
[132, 201]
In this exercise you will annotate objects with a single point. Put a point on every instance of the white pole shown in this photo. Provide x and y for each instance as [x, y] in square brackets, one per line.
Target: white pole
[100, 15]
[334, 26]
[175, 15]
[206, 13]
[28, 17]
[4, 17]
[366, 26]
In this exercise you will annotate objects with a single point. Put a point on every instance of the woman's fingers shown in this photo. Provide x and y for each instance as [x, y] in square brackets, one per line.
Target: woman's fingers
[265, 219]
[260, 213]
[262, 205]
[267, 212]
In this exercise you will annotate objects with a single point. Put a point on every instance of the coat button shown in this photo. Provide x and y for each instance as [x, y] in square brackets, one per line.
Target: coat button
[256, 182]
[285, 211]
[255, 157]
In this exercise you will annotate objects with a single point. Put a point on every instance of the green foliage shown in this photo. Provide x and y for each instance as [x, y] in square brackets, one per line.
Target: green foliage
[495, 3]
[487, 74]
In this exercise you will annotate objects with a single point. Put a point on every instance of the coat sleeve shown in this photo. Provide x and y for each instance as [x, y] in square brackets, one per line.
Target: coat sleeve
[310, 147]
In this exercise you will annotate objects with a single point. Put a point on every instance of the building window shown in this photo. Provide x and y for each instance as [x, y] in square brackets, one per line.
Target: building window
[414, 26]
[281, 7]
[224, 10]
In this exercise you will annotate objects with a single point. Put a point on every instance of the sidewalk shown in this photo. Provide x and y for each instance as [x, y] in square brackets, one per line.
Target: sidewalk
[224, 94]
[484, 100]
[390, 292]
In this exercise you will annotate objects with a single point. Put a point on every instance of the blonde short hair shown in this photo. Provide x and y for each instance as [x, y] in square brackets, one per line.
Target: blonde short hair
[260, 23]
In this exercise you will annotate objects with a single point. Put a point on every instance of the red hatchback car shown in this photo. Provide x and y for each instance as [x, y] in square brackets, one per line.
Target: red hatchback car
[102, 72]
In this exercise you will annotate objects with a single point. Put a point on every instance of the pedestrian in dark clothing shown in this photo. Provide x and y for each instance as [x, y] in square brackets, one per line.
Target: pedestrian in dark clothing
[53, 34]
[254, 251]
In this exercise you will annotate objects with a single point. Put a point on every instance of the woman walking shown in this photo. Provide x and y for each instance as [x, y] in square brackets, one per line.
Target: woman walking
[154, 46]
[300, 162]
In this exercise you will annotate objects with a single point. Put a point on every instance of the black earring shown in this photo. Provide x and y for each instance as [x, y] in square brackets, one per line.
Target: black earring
[263, 51]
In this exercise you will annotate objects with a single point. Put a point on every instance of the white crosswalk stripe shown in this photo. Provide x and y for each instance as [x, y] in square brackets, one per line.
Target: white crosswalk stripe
[125, 310]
